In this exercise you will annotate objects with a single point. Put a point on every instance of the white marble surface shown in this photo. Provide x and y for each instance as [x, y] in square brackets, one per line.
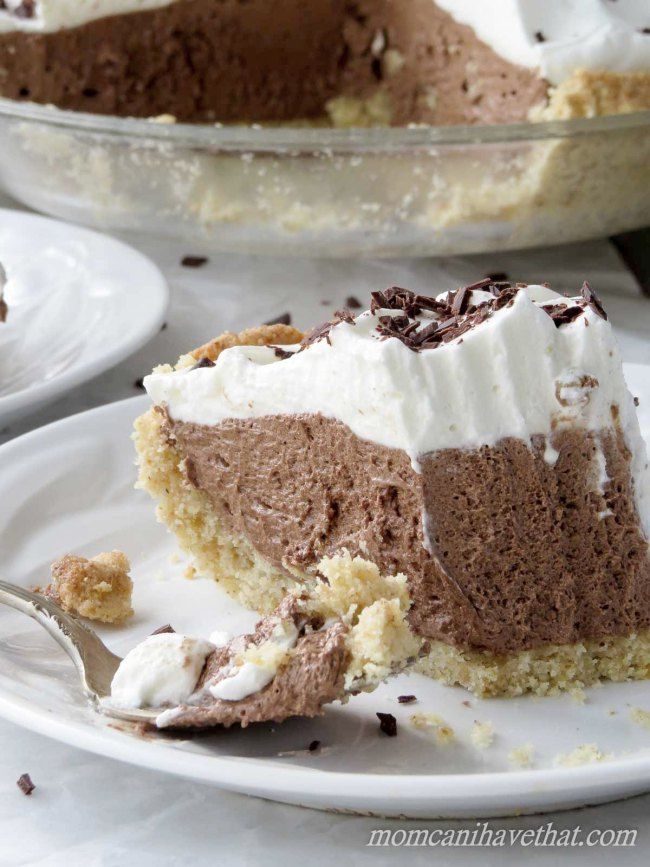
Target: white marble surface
[87, 810]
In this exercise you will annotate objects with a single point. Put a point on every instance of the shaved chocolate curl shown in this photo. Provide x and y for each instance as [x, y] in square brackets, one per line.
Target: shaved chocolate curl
[421, 322]
[590, 297]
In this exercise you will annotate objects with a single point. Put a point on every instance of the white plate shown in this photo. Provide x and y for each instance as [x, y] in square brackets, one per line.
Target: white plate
[68, 487]
[79, 302]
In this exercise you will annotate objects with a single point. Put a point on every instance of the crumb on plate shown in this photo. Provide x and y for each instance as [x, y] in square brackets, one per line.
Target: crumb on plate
[98, 589]
[444, 733]
[522, 755]
[482, 735]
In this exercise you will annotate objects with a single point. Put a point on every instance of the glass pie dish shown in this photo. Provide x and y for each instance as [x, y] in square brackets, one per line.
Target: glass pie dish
[416, 191]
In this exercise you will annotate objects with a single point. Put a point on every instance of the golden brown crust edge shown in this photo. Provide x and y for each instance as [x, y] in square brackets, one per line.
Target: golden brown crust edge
[277, 334]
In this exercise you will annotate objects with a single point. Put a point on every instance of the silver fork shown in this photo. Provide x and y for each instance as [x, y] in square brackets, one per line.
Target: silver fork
[95, 663]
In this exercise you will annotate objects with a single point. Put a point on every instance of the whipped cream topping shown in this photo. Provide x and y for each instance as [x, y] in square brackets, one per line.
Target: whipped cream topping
[46, 16]
[257, 666]
[559, 36]
[160, 671]
[515, 375]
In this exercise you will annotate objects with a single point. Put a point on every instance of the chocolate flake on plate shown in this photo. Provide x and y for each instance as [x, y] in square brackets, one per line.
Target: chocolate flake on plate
[24, 783]
[406, 699]
[193, 261]
[387, 724]
[163, 629]
[353, 303]
[313, 746]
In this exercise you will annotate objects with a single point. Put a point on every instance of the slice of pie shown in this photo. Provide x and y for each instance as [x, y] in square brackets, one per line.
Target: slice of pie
[483, 443]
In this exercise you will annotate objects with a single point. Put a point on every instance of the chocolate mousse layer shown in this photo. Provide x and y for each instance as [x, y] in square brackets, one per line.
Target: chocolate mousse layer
[503, 549]
[251, 60]
[312, 677]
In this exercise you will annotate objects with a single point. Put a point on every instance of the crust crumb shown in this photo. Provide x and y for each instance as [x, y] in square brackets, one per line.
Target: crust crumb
[585, 754]
[98, 589]
[482, 735]
[443, 732]
[522, 756]
[597, 93]
[640, 716]
[375, 607]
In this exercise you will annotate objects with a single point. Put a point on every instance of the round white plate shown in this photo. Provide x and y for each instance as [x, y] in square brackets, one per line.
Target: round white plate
[79, 302]
[69, 487]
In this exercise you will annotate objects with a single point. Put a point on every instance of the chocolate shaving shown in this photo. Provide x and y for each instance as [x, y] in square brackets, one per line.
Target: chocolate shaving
[387, 724]
[449, 317]
[428, 334]
[406, 699]
[313, 746]
[431, 304]
[377, 301]
[498, 277]
[163, 630]
[203, 362]
[461, 300]
[193, 261]
[139, 383]
[282, 353]
[322, 331]
[457, 313]
[282, 319]
[636, 401]
[318, 333]
[353, 303]
[562, 314]
[506, 295]
[539, 36]
[24, 783]
[480, 284]
[593, 300]
[396, 298]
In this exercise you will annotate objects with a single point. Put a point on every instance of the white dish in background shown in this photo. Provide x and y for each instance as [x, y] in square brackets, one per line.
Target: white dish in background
[69, 487]
[79, 302]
